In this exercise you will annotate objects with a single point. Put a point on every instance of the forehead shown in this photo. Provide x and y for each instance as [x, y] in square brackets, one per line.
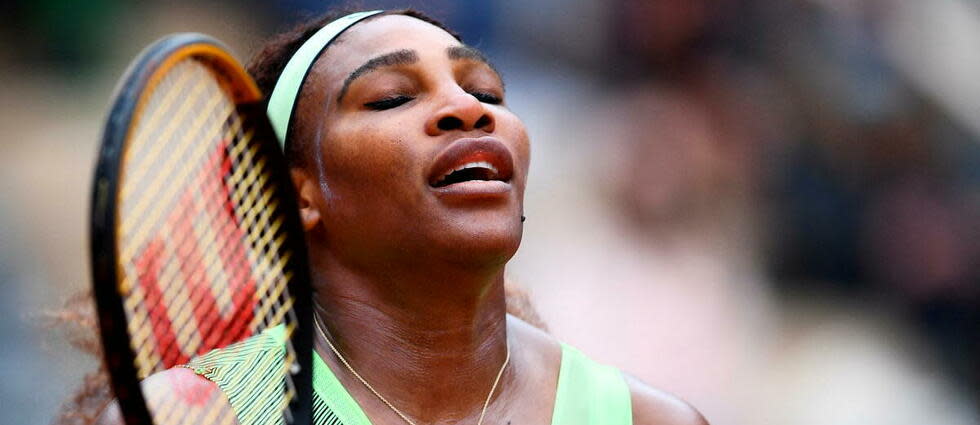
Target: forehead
[378, 36]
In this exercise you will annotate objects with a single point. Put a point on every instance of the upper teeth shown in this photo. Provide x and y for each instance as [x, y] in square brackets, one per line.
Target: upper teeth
[479, 164]
[476, 164]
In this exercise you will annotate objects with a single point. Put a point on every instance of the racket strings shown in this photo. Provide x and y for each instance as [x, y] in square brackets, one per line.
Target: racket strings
[174, 168]
[202, 245]
[179, 212]
[182, 264]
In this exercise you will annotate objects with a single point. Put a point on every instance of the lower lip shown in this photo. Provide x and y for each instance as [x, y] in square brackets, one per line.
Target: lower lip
[474, 189]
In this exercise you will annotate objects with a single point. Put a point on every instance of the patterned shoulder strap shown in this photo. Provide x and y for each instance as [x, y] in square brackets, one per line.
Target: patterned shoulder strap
[245, 372]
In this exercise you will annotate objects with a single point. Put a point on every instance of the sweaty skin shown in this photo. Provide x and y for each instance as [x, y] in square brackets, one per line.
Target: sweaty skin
[410, 275]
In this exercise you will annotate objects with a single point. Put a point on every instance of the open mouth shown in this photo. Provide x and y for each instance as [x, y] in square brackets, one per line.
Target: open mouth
[472, 160]
[477, 170]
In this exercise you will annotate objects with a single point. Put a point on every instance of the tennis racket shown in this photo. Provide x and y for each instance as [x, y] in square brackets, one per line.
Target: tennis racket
[195, 237]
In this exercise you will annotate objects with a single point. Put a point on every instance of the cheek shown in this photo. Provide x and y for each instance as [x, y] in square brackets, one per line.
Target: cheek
[516, 134]
[365, 164]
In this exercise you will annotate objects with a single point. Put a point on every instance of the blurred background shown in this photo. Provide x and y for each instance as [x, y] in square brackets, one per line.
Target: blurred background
[770, 209]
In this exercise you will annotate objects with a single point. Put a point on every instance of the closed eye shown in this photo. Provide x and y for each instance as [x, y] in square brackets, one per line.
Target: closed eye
[487, 98]
[388, 103]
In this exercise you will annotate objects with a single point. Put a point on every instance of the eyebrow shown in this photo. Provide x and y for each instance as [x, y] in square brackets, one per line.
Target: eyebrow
[467, 52]
[407, 57]
[399, 57]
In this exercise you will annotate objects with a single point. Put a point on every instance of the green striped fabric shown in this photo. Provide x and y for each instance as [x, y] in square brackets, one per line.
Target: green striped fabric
[588, 393]
[247, 373]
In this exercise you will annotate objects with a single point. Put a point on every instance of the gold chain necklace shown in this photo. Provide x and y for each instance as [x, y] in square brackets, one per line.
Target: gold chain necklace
[385, 401]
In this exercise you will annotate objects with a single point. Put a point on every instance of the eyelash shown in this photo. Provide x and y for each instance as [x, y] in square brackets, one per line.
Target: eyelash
[487, 98]
[388, 103]
[396, 101]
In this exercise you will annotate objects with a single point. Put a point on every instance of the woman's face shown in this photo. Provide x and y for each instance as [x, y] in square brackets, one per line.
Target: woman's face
[416, 154]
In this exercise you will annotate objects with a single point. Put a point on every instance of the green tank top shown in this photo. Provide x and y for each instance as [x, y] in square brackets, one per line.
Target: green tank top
[588, 393]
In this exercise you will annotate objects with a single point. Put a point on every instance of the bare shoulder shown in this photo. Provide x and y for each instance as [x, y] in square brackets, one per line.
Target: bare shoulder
[655, 407]
[176, 388]
[539, 346]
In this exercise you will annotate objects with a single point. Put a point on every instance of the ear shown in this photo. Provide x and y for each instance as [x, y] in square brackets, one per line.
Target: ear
[307, 190]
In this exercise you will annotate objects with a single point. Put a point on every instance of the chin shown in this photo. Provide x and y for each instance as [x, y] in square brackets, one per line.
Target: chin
[481, 243]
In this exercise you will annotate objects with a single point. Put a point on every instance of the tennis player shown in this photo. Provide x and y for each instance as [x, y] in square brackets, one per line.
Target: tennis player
[410, 171]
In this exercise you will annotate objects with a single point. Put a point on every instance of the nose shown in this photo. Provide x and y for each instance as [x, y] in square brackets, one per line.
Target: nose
[461, 111]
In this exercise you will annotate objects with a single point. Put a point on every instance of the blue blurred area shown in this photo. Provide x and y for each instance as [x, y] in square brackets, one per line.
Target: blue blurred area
[472, 19]
[772, 210]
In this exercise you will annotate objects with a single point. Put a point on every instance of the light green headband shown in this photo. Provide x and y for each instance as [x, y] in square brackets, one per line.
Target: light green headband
[283, 98]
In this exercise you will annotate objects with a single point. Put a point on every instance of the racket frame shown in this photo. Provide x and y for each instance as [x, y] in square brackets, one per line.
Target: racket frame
[151, 65]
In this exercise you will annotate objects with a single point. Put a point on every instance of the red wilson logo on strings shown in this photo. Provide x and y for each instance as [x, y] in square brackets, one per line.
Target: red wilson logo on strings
[203, 239]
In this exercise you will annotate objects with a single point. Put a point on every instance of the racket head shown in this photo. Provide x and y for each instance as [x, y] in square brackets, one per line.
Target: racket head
[195, 234]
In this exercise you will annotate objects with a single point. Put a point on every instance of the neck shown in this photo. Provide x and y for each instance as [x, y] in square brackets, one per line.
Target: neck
[442, 330]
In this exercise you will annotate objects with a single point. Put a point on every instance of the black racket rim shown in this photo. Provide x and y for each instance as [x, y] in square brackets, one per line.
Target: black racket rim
[117, 346]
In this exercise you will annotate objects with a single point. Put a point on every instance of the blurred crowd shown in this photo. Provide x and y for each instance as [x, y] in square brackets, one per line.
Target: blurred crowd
[766, 208]
[781, 225]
